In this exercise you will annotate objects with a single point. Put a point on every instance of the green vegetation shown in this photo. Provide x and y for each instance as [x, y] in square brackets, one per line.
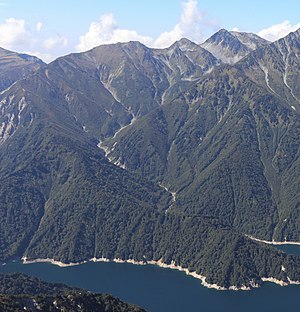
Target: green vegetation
[20, 284]
[228, 148]
[19, 291]
[72, 302]
[218, 136]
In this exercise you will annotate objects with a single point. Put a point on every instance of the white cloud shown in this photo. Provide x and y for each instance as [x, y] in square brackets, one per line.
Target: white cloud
[106, 30]
[13, 33]
[46, 57]
[190, 25]
[16, 35]
[278, 31]
[20, 36]
[54, 42]
[39, 26]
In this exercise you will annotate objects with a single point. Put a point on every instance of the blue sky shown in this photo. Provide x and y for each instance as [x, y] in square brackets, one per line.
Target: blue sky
[49, 29]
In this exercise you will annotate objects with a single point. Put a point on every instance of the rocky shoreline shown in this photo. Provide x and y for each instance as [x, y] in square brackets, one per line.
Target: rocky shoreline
[161, 264]
[273, 242]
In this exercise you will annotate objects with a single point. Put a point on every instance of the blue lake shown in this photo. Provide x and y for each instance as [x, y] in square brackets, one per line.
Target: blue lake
[162, 290]
[290, 249]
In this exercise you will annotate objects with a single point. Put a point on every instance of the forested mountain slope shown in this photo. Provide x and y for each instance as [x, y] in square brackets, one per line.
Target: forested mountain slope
[228, 147]
[142, 154]
[19, 292]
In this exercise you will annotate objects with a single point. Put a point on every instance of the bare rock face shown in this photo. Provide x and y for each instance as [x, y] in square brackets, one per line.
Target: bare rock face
[231, 46]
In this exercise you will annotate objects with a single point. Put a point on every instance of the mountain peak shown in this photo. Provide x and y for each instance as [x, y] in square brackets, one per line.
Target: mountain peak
[16, 55]
[223, 31]
[185, 44]
[15, 66]
[225, 47]
[184, 41]
[133, 44]
[232, 46]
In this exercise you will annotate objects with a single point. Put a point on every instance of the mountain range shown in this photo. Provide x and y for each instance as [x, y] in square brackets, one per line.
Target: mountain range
[179, 155]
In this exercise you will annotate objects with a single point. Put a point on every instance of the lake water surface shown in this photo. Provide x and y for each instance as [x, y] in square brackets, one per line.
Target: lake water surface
[290, 249]
[162, 290]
